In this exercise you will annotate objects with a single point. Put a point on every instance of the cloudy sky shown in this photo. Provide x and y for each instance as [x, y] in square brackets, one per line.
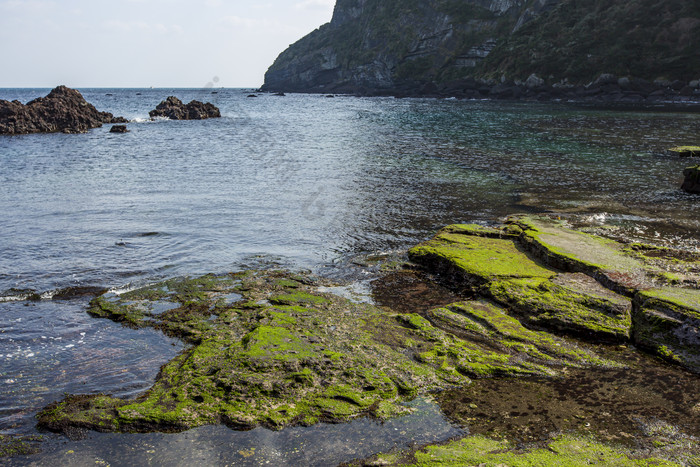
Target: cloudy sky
[143, 43]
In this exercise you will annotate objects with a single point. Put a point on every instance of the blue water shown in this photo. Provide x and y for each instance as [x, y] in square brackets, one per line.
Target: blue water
[301, 181]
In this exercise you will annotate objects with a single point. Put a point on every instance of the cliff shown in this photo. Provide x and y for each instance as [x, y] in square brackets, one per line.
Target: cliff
[408, 45]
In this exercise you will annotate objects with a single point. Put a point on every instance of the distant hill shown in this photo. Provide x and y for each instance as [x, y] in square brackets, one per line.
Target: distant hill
[374, 46]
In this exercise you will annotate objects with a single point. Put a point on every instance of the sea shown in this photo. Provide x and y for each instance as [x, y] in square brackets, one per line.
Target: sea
[303, 182]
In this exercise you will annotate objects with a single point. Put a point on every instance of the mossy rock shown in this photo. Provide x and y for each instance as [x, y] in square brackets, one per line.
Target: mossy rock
[566, 450]
[553, 277]
[572, 251]
[310, 357]
[667, 322]
[469, 259]
[686, 151]
[545, 304]
[500, 268]
[11, 446]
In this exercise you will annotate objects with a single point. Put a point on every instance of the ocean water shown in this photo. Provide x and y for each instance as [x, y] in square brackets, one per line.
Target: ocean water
[301, 181]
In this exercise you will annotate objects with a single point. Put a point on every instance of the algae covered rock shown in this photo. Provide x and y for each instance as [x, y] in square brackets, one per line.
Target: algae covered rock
[554, 277]
[564, 450]
[686, 151]
[667, 321]
[270, 349]
[500, 268]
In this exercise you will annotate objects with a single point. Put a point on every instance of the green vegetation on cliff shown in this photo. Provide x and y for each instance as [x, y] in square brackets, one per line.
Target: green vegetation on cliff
[579, 40]
[405, 44]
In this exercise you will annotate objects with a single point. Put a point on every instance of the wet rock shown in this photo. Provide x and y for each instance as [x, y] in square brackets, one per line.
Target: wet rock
[691, 184]
[174, 109]
[118, 129]
[499, 268]
[686, 151]
[565, 449]
[557, 278]
[286, 354]
[62, 110]
[667, 322]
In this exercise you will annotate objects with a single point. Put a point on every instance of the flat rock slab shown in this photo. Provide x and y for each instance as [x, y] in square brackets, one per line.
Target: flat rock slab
[574, 251]
[557, 278]
[500, 268]
[470, 256]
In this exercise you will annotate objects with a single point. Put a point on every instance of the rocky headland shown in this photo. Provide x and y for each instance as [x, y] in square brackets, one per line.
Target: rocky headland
[636, 51]
[174, 109]
[531, 303]
[62, 110]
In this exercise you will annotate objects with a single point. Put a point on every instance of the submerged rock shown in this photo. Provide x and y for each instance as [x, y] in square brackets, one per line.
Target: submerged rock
[691, 183]
[270, 349]
[554, 277]
[174, 109]
[63, 109]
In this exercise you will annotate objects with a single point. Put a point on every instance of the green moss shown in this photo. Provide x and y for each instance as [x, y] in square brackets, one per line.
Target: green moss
[476, 259]
[666, 321]
[330, 359]
[686, 151]
[11, 446]
[545, 304]
[575, 251]
[565, 450]
[297, 298]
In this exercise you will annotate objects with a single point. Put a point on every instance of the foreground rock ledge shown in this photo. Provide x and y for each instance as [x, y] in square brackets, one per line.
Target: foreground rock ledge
[273, 349]
[174, 109]
[553, 277]
[62, 110]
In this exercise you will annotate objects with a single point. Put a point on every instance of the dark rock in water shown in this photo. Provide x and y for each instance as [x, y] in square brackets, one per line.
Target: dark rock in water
[64, 109]
[118, 129]
[252, 95]
[174, 109]
[330, 95]
[281, 94]
[691, 184]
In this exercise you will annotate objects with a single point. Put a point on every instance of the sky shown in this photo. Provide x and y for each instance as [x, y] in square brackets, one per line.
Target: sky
[144, 43]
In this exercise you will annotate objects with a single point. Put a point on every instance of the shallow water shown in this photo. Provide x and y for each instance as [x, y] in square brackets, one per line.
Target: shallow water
[299, 181]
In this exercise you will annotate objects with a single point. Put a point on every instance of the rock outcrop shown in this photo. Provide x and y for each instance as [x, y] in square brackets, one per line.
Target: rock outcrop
[62, 110]
[271, 348]
[557, 278]
[691, 183]
[118, 129]
[444, 47]
[174, 109]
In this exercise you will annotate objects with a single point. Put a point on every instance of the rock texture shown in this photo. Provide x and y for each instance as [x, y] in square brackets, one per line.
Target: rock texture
[557, 278]
[118, 129]
[174, 109]
[272, 349]
[691, 183]
[510, 47]
[63, 109]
